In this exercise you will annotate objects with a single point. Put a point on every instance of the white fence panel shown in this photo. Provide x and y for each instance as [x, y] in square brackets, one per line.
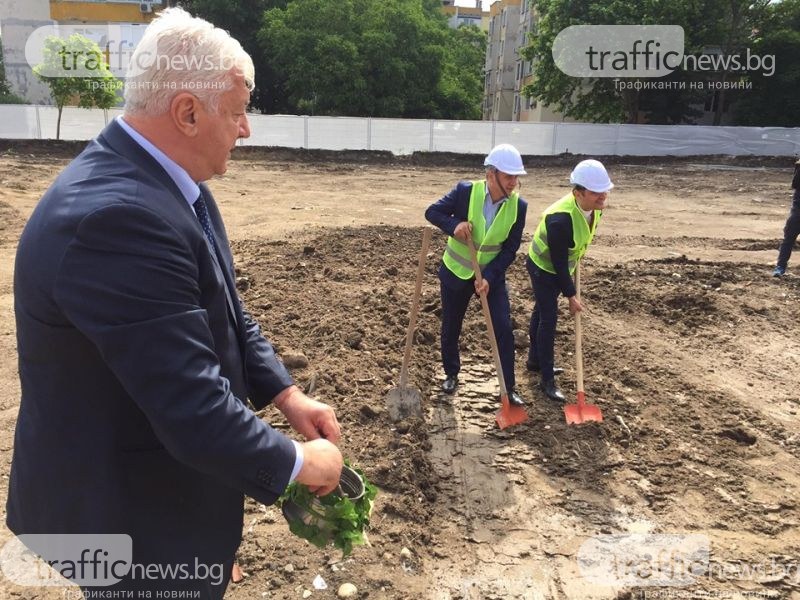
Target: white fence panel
[528, 138]
[404, 136]
[286, 131]
[400, 136]
[463, 137]
[338, 133]
[585, 138]
[75, 122]
[19, 122]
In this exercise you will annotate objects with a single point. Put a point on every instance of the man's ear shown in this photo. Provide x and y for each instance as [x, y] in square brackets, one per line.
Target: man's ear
[184, 111]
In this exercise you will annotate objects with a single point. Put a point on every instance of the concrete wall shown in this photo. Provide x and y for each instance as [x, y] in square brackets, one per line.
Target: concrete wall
[18, 19]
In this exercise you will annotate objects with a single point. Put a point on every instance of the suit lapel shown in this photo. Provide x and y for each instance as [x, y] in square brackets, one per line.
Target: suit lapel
[220, 263]
[116, 138]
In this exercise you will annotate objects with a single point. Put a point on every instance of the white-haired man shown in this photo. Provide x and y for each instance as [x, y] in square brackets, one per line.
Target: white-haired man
[136, 357]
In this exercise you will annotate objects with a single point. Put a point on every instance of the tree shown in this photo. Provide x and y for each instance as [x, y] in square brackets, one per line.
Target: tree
[242, 19]
[462, 79]
[723, 24]
[382, 58]
[773, 99]
[76, 70]
[6, 95]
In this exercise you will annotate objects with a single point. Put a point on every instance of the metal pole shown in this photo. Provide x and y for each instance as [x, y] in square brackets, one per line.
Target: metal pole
[38, 123]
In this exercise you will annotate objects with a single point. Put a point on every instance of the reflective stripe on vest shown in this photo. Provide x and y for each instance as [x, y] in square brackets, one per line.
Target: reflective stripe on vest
[582, 236]
[487, 243]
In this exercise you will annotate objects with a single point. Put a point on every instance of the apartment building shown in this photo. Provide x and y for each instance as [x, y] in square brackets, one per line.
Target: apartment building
[116, 25]
[465, 15]
[501, 58]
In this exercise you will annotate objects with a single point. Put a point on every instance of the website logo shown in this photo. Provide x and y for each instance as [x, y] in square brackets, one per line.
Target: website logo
[617, 51]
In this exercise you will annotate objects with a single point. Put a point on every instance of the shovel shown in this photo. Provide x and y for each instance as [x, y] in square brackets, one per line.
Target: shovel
[404, 401]
[580, 412]
[507, 415]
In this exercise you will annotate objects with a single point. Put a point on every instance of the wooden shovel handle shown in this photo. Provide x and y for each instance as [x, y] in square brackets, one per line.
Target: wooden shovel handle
[488, 316]
[578, 334]
[412, 320]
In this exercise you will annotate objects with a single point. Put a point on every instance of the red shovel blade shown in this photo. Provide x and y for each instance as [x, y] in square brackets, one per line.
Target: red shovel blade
[509, 415]
[582, 412]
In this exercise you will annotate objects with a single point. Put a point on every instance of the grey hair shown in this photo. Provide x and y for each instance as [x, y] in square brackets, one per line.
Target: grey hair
[182, 53]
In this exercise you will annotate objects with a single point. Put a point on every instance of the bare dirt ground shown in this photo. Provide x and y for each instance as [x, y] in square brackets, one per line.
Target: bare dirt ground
[691, 350]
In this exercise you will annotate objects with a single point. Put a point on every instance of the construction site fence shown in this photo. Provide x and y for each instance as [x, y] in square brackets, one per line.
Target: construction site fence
[405, 136]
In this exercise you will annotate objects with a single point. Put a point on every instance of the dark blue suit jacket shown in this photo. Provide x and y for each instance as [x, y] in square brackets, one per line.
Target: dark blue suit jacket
[451, 210]
[136, 361]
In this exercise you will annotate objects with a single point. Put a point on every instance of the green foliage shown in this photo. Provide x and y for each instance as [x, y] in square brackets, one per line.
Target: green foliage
[724, 24]
[11, 98]
[337, 519]
[773, 99]
[242, 19]
[76, 70]
[382, 58]
[4, 88]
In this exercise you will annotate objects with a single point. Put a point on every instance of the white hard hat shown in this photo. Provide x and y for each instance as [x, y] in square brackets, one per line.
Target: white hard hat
[505, 158]
[592, 175]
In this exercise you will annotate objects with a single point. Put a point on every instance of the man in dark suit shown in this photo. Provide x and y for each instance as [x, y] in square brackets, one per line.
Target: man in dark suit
[136, 357]
[492, 213]
[791, 228]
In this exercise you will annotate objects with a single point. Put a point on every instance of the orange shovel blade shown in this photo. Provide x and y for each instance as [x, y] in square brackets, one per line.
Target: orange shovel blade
[582, 412]
[509, 415]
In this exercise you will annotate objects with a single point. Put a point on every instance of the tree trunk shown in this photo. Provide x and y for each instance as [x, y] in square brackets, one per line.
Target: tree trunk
[58, 123]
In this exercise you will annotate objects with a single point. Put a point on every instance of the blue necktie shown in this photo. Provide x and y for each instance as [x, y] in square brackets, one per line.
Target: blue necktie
[202, 215]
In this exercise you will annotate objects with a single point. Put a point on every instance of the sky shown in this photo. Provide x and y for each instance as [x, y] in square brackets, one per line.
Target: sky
[486, 3]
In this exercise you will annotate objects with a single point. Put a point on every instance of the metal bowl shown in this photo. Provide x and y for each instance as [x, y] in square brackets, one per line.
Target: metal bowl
[350, 485]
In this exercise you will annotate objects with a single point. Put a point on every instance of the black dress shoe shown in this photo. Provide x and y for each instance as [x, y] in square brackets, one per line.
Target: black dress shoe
[514, 399]
[534, 368]
[449, 385]
[551, 390]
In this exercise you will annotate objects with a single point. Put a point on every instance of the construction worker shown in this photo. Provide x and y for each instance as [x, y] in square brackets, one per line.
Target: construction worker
[493, 214]
[564, 233]
[792, 227]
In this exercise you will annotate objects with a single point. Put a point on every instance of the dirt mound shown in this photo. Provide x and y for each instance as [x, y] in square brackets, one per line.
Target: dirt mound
[674, 449]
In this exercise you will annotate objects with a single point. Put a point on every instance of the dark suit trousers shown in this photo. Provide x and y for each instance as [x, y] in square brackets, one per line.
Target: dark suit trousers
[542, 330]
[790, 232]
[454, 307]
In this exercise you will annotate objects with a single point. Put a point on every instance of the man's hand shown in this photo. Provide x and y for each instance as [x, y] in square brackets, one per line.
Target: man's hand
[308, 417]
[483, 288]
[575, 305]
[322, 467]
[463, 231]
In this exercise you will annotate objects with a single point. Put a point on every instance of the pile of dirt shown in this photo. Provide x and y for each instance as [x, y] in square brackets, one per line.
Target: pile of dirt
[674, 448]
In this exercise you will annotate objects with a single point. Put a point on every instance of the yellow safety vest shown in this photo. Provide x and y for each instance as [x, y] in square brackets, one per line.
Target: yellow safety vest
[487, 243]
[582, 236]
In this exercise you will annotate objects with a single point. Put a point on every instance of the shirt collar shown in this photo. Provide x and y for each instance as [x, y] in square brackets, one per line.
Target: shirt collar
[488, 197]
[185, 183]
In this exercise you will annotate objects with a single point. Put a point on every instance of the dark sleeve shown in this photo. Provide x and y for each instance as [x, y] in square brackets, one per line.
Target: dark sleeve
[559, 240]
[266, 375]
[129, 283]
[450, 210]
[796, 177]
[495, 271]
